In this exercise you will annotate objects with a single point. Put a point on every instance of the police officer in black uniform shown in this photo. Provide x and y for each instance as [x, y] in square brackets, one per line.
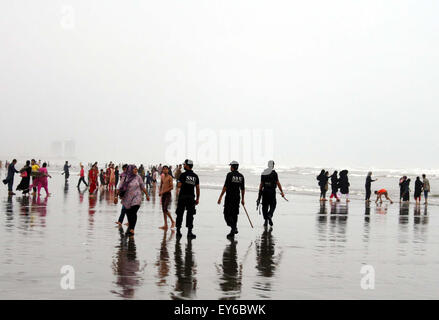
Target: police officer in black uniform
[187, 182]
[267, 191]
[234, 187]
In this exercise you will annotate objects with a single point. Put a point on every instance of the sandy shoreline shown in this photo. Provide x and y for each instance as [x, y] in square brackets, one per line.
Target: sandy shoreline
[312, 252]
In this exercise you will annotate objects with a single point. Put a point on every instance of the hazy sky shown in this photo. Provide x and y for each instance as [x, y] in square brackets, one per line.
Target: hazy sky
[337, 82]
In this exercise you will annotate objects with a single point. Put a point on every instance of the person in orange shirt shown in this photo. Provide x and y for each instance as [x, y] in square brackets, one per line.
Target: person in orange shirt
[380, 193]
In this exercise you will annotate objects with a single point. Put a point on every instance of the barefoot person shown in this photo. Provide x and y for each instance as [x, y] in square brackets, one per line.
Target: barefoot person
[380, 193]
[234, 187]
[267, 191]
[166, 186]
[130, 191]
[187, 182]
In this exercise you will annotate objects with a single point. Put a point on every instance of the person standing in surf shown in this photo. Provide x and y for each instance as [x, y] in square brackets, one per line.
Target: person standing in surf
[334, 186]
[267, 191]
[406, 190]
[368, 186]
[188, 182]
[402, 181]
[418, 190]
[234, 188]
[344, 184]
[323, 178]
[166, 186]
[426, 187]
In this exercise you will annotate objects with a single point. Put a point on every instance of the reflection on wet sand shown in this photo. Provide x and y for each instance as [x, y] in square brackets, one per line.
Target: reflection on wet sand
[66, 189]
[322, 227]
[126, 267]
[366, 225]
[404, 213]
[338, 222]
[381, 208]
[185, 271]
[418, 218]
[231, 272]
[367, 213]
[163, 261]
[266, 262]
[420, 228]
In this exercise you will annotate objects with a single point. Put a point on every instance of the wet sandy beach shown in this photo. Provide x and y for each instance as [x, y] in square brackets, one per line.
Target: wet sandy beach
[312, 252]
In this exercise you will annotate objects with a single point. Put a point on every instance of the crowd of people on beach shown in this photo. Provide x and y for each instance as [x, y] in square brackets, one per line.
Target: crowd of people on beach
[32, 171]
[339, 183]
[132, 182]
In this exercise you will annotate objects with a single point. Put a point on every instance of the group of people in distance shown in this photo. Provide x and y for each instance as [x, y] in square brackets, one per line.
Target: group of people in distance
[132, 188]
[31, 169]
[420, 186]
[130, 185]
[340, 186]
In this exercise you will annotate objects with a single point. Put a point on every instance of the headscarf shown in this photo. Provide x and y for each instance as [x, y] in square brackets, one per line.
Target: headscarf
[269, 169]
[128, 177]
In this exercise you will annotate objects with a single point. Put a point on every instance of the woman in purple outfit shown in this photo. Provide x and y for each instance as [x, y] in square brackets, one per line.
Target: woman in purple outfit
[130, 191]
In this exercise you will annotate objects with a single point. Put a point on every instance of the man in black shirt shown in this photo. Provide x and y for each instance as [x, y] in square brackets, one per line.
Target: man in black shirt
[233, 188]
[10, 177]
[267, 190]
[187, 182]
[66, 171]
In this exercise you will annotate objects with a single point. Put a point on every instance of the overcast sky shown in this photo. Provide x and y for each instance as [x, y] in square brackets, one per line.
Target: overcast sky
[339, 83]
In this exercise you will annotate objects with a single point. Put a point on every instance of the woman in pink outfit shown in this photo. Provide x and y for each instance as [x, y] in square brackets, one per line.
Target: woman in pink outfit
[42, 180]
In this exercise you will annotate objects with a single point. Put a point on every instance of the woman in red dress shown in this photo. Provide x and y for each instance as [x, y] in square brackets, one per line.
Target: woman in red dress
[93, 178]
